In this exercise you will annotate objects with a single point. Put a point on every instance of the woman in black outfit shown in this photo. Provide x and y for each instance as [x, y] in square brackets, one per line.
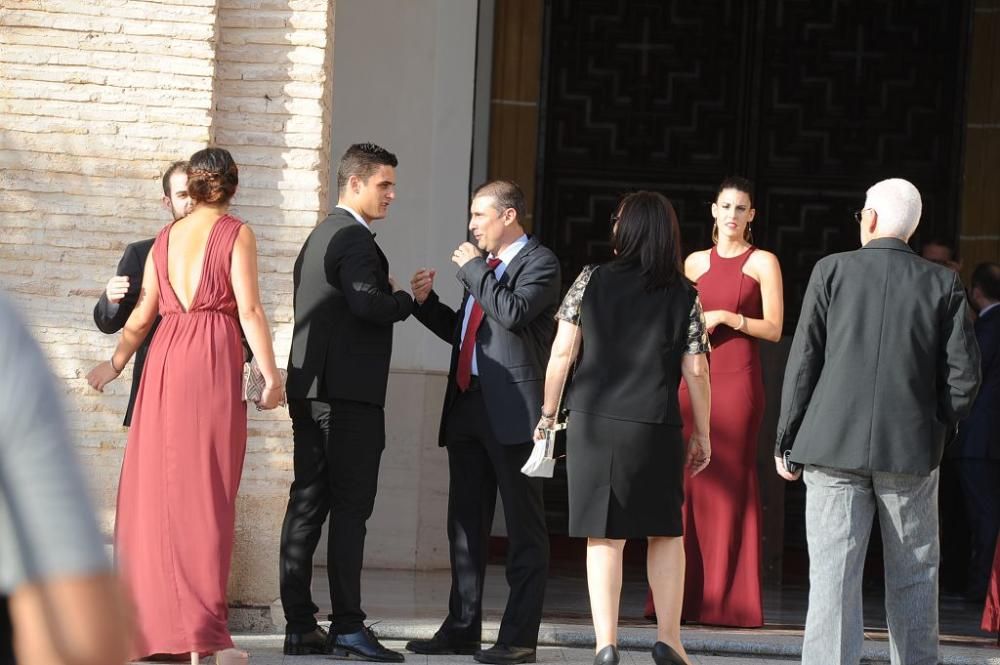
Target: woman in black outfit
[640, 326]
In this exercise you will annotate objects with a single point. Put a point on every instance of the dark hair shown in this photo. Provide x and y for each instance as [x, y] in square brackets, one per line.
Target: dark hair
[362, 160]
[647, 235]
[986, 276]
[506, 194]
[739, 183]
[212, 176]
[940, 242]
[171, 170]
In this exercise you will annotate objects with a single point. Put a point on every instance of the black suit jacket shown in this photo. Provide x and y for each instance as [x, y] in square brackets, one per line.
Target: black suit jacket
[111, 318]
[513, 341]
[979, 436]
[883, 365]
[344, 311]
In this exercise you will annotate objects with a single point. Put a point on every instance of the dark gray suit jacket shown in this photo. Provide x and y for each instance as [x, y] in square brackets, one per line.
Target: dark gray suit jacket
[111, 318]
[979, 436]
[883, 365]
[344, 311]
[513, 341]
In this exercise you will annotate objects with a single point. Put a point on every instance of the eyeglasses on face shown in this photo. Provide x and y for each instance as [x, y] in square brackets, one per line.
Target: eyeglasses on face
[615, 217]
[858, 213]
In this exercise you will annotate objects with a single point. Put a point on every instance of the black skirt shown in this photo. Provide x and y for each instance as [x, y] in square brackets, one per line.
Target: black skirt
[625, 478]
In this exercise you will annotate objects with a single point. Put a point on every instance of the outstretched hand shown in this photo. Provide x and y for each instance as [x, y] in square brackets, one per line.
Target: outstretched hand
[422, 283]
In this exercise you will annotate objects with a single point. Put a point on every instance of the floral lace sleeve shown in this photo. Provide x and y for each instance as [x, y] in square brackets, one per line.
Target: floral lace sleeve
[697, 338]
[569, 311]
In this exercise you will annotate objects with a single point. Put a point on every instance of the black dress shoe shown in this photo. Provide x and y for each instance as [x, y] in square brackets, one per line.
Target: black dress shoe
[664, 654]
[442, 645]
[501, 654]
[305, 644]
[607, 656]
[361, 644]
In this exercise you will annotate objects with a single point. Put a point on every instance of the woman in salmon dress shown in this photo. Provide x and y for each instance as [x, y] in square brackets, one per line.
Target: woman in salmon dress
[740, 289]
[184, 457]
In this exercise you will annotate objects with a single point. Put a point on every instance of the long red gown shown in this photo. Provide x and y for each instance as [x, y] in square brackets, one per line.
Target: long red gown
[722, 504]
[991, 613]
[183, 461]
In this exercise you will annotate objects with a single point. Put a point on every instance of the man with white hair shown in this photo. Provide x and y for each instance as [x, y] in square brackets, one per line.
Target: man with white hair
[883, 365]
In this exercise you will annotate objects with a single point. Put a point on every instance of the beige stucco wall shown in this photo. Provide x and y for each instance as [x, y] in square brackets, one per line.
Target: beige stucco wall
[97, 97]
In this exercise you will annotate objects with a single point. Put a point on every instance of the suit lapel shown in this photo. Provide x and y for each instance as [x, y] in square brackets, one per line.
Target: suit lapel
[517, 262]
[381, 257]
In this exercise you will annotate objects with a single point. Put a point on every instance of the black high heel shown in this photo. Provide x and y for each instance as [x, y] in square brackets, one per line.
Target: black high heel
[664, 654]
[607, 656]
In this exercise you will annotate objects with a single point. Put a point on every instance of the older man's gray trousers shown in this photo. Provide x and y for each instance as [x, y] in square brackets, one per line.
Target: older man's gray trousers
[840, 506]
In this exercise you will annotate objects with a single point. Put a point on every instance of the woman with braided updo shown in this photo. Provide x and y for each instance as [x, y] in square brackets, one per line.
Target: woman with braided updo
[184, 457]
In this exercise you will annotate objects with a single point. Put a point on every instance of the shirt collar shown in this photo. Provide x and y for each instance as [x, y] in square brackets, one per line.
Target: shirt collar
[507, 255]
[355, 215]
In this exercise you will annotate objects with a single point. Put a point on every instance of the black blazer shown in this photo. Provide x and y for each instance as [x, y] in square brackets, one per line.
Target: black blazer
[883, 365]
[979, 435]
[111, 318]
[344, 311]
[634, 341]
[513, 341]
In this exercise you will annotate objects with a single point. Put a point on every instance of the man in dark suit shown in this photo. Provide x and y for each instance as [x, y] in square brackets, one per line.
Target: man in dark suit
[977, 449]
[500, 336]
[883, 366]
[122, 291]
[345, 305]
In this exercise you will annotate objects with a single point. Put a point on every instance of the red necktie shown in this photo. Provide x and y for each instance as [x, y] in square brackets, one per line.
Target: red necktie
[463, 373]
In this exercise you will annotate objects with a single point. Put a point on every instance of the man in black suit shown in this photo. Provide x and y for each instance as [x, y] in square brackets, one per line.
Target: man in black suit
[345, 305]
[122, 291]
[883, 366]
[501, 337]
[977, 449]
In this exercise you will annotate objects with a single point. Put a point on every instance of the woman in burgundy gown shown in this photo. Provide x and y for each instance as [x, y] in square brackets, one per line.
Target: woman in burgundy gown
[184, 456]
[991, 613]
[740, 290]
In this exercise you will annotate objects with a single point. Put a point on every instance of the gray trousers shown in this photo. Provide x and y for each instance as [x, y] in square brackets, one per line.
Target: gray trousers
[840, 506]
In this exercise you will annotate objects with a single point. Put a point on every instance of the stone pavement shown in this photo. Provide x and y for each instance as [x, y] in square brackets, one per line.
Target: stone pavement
[403, 605]
[266, 650]
[570, 645]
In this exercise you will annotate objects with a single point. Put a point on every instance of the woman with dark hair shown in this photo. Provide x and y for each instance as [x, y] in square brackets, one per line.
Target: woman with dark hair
[644, 329]
[740, 287]
[184, 456]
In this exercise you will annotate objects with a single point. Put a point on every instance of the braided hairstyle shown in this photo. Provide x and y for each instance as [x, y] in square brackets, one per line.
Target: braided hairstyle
[212, 176]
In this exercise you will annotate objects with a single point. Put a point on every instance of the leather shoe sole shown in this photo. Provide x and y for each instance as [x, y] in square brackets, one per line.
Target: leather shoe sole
[304, 650]
[349, 653]
[494, 657]
[434, 647]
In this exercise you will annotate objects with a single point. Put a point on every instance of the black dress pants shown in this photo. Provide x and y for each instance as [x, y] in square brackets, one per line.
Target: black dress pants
[478, 466]
[981, 490]
[338, 447]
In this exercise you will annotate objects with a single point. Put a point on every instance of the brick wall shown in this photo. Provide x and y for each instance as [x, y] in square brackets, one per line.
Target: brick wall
[96, 99]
